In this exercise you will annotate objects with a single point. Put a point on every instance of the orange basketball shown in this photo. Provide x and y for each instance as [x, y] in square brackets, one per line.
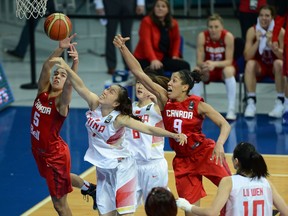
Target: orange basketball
[57, 26]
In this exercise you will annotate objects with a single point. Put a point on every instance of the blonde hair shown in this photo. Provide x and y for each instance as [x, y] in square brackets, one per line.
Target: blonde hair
[215, 17]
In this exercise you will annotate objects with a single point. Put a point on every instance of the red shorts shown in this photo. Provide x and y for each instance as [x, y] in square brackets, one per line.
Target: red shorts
[55, 168]
[215, 75]
[189, 171]
[266, 71]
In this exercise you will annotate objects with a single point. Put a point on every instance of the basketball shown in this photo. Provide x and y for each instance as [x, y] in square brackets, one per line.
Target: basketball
[57, 26]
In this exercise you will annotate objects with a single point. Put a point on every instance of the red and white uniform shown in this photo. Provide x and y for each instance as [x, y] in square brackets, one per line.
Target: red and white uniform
[249, 197]
[215, 51]
[148, 151]
[265, 60]
[192, 160]
[50, 151]
[115, 166]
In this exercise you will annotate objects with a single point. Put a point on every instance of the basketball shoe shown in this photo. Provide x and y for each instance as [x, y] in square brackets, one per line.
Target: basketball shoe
[231, 115]
[250, 110]
[90, 192]
[277, 111]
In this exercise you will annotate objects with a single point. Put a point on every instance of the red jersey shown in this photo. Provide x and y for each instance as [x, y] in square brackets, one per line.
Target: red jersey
[214, 50]
[46, 123]
[245, 6]
[183, 117]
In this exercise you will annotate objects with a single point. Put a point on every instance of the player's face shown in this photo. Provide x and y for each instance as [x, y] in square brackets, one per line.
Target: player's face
[109, 96]
[175, 86]
[141, 92]
[161, 9]
[215, 27]
[58, 79]
[265, 18]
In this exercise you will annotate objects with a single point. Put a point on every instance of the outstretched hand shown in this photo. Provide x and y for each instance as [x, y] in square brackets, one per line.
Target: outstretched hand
[65, 43]
[119, 41]
[73, 53]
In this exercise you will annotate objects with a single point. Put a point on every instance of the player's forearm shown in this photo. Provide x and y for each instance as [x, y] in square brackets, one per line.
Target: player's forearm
[131, 61]
[251, 52]
[57, 52]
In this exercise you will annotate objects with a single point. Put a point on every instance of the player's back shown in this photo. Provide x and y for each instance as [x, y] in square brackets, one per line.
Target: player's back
[249, 197]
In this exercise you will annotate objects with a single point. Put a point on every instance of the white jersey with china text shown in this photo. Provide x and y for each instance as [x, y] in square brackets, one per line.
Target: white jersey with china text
[145, 147]
[106, 144]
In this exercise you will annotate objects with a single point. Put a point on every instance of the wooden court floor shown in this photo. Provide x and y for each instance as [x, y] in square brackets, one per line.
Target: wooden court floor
[277, 166]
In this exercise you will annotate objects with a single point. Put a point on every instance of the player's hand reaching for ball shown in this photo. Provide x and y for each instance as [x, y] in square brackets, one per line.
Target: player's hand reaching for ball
[65, 44]
[73, 53]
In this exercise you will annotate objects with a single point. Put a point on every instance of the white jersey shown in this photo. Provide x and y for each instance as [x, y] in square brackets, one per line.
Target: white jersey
[106, 144]
[249, 197]
[146, 147]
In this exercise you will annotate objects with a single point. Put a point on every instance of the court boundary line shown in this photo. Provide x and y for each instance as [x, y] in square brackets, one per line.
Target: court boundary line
[48, 199]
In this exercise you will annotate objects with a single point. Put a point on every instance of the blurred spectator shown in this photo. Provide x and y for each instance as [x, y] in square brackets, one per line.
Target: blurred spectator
[117, 8]
[263, 61]
[159, 40]
[248, 13]
[215, 48]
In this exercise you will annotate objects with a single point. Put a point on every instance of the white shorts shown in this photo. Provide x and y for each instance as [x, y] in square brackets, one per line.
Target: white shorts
[116, 188]
[151, 174]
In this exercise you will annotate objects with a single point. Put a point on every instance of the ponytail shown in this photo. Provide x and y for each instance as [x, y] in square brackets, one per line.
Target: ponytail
[250, 161]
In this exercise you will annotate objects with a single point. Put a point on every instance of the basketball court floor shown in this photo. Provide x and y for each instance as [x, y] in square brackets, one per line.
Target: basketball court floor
[20, 184]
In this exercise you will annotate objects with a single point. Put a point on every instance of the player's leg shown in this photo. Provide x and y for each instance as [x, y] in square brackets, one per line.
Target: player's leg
[277, 73]
[61, 206]
[87, 188]
[230, 84]
[252, 70]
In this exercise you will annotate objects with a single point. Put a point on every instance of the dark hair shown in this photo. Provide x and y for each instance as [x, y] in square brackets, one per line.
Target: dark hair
[125, 103]
[167, 19]
[160, 202]
[268, 7]
[160, 80]
[189, 78]
[250, 161]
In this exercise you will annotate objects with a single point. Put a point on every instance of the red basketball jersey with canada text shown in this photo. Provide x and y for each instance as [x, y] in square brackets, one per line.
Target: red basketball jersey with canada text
[215, 50]
[183, 117]
[46, 123]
